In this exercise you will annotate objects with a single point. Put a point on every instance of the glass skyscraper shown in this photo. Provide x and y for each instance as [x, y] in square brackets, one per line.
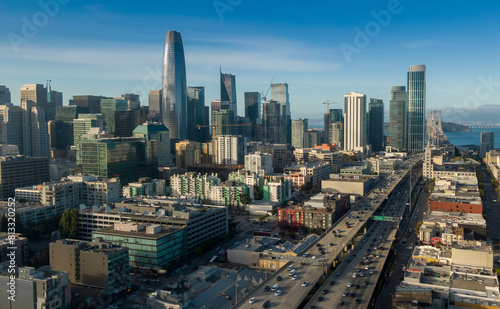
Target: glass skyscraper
[416, 107]
[196, 115]
[174, 91]
[279, 93]
[376, 124]
[253, 112]
[228, 89]
[398, 118]
[333, 115]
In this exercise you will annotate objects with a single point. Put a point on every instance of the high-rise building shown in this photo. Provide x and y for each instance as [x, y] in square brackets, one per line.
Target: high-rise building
[133, 100]
[253, 112]
[221, 118]
[83, 124]
[155, 99]
[21, 171]
[376, 124]
[337, 134]
[416, 107]
[65, 115]
[127, 158]
[174, 91]
[108, 109]
[354, 121]
[55, 97]
[231, 149]
[35, 93]
[487, 143]
[196, 115]
[333, 115]
[187, 153]
[11, 126]
[274, 122]
[299, 129]
[279, 93]
[312, 138]
[159, 133]
[126, 121]
[90, 103]
[4, 95]
[35, 130]
[398, 118]
[228, 89]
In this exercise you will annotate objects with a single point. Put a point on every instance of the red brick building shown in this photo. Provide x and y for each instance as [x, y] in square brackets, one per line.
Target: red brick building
[457, 206]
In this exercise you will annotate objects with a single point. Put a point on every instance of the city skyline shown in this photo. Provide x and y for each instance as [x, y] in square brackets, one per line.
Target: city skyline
[93, 60]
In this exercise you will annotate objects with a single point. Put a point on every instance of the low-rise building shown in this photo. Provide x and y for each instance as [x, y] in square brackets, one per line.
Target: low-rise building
[357, 185]
[97, 264]
[259, 163]
[35, 289]
[150, 246]
[302, 173]
[16, 243]
[144, 187]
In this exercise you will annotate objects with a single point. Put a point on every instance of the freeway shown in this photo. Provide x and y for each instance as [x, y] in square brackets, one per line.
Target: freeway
[335, 243]
[354, 282]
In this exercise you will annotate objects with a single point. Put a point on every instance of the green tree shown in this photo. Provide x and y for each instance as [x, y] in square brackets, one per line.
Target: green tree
[257, 193]
[245, 199]
[69, 224]
[417, 228]
[3, 224]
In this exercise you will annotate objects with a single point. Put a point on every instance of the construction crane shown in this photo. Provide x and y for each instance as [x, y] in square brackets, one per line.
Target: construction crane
[327, 103]
[214, 132]
[264, 96]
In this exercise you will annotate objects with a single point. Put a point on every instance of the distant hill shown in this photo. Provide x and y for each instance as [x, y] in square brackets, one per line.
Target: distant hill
[454, 127]
[447, 127]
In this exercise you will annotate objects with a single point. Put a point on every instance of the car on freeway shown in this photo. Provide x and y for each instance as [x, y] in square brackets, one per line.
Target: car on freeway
[304, 284]
[252, 300]
[295, 277]
[332, 283]
[278, 293]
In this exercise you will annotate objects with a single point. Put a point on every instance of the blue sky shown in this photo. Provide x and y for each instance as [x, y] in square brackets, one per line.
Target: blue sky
[111, 48]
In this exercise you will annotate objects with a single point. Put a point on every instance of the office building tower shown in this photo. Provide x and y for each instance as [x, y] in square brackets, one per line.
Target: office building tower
[21, 171]
[108, 109]
[126, 121]
[4, 95]
[187, 153]
[354, 121]
[84, 123]
[228, 89]
[174, 91]
[128, 158]
[333, 115]
[133, 100]
[221, 118]
[40, 288]
[487, 143]
[416, 107]
[55, 97]
[337, 134]
[279, 93]
[376, 124]
[398, 133]
[11, 126]
[155, 99]
[196, 115]
[274, 122]
[36, 93]
[312, 138]
[218, 105]
[253, 112]
[90, 103]
[231, 149]
[35, 130]
[299, 129]
[159, 133]
[98, 264]
[64, 134]
[245, 127]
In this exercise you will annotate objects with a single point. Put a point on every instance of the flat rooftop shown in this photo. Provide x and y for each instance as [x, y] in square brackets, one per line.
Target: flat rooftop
[139, 234]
